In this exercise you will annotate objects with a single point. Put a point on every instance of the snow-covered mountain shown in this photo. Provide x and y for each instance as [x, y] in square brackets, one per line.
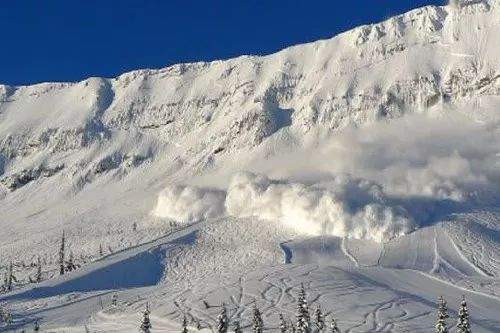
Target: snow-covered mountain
[376, 148]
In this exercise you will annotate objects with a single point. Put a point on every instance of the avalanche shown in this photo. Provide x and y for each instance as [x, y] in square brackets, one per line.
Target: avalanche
[365, 167]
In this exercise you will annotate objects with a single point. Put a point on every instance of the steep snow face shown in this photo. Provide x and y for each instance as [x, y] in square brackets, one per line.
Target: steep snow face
[408, 63]
[102, 149]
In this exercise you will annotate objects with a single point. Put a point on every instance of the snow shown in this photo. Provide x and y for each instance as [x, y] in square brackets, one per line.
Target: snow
[187, 204]
[364, 166]
[341, 207]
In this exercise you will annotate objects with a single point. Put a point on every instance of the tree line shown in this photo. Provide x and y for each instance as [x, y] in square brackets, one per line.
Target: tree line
[305, 323]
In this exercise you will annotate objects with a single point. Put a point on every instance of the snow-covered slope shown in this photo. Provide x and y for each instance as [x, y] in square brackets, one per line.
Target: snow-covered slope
[375, 152]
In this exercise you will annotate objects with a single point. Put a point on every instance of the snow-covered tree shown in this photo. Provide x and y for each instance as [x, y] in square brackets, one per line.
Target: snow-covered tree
[146, 323]
[441, 326]
[303, 317]
[184, 325]
[237, 328]
[283, 324]
[222, 322]
[319, 319]
[333, 326]
[114, 300]
[38, 276]
[70, 264]
[61, 255]
[5, 316]
[257, 323]
[9, 277]
[36, 326]
[463, 325]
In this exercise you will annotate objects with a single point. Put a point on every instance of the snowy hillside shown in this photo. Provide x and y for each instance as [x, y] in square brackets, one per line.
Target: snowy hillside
[366, 166]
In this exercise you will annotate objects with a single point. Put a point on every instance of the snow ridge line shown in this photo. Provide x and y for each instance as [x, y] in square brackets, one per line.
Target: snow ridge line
[480, 293]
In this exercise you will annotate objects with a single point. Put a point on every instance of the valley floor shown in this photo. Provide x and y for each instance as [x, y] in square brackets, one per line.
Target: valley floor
[179, 275]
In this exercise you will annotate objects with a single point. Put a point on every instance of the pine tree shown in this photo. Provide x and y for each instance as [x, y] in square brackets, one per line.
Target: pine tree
[258, 324]
[333, 326]
[222, 321]
[101, 252]
[10, 277]
[36, 327]
[237, 328]
[441, 326]
[303, 317]
[319, 319]
[61, 255]
[283, 324]
[463, 318]
[114, 300]
[184, 325]
[146, 323]
[70, 264]
[38, 277]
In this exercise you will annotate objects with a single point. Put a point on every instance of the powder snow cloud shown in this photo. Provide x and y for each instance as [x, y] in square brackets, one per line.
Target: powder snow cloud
[343, 207]
[376, 183]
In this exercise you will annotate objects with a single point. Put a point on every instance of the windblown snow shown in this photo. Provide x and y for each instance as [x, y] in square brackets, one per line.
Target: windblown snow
[365, 166]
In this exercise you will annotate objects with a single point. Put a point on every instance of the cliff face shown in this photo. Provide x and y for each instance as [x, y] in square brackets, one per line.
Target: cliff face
[193, 113]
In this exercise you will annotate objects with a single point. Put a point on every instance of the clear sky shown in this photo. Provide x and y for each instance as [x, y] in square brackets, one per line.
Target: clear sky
[69, 40]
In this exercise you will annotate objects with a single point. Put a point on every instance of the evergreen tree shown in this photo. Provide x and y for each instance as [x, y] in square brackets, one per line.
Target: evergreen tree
[283, 324]
[38, 277]
[319, 319]
[441, 326]
[114, 300]
[222, 322]
[184, 325]
[70, 264]
[61, 255]
[146, 323]
[36, 327]
[463, 318]
[303, 317]
[10, 278]
[101, 252]
[258, 324]
[237, 328]
[5, 279]
[333, 326]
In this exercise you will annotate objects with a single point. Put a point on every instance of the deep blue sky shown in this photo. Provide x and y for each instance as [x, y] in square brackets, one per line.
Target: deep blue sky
[68, 40]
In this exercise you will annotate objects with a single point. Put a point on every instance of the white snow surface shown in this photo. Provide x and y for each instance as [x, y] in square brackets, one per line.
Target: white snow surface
[366, 166]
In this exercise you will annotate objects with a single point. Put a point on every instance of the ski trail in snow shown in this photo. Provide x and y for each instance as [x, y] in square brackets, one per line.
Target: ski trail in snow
[344, 248]
[429, 275]
[465, 259]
